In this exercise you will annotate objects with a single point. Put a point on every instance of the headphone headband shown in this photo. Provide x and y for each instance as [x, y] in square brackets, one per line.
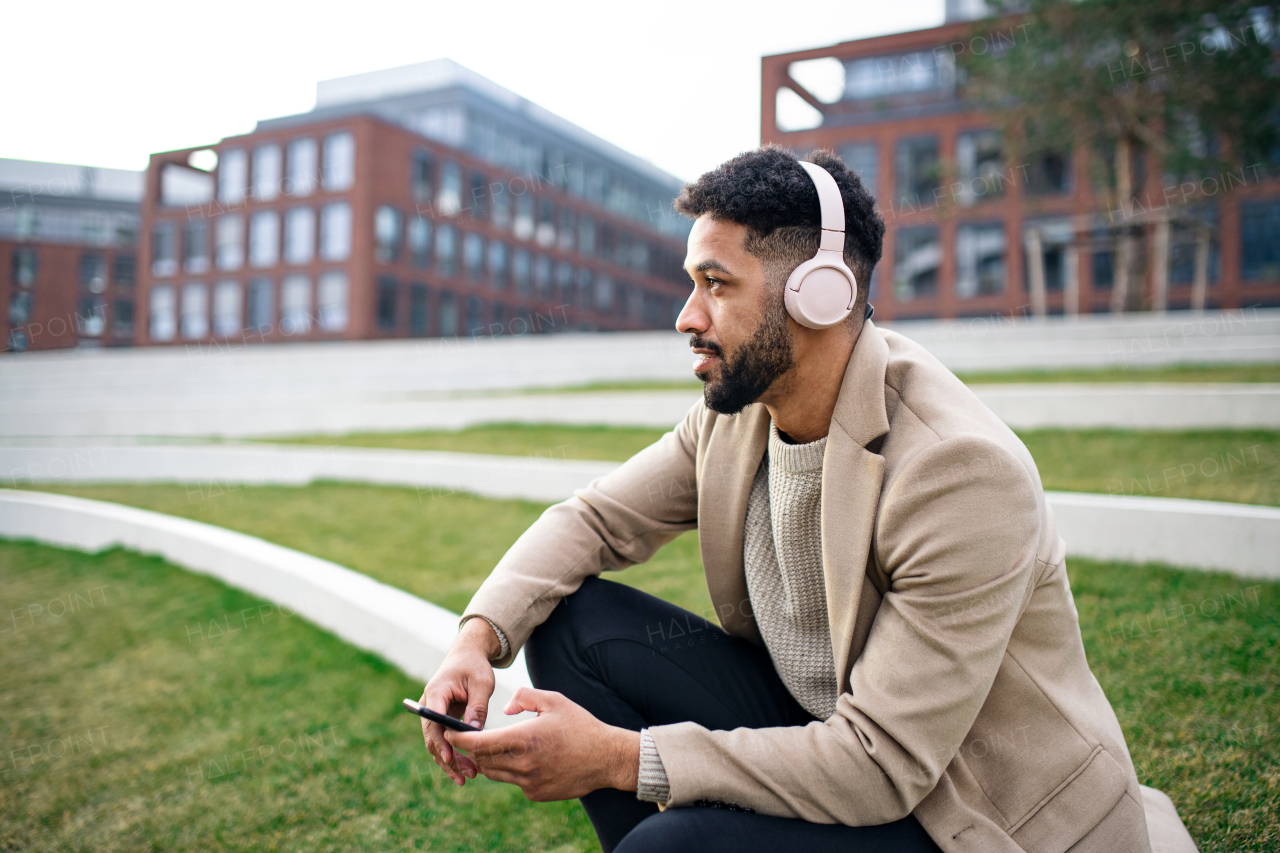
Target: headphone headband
[829, 200]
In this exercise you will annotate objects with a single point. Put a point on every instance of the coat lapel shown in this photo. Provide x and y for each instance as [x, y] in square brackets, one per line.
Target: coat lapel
[732, 458]
[851, 479]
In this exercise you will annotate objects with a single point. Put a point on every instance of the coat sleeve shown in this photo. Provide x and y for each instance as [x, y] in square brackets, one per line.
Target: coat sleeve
[616, 521]
[956, 533]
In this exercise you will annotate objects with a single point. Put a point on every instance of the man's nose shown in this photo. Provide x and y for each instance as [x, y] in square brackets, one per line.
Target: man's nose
[693, 320]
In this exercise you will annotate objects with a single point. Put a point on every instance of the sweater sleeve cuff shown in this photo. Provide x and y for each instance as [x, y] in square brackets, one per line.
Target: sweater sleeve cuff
[502, 637]
[652, 784]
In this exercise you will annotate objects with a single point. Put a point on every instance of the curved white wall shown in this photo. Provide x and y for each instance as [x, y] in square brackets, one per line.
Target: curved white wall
[1189, 534]
[411, 633]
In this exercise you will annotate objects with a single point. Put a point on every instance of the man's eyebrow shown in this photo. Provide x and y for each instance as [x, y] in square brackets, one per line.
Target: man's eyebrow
[712, 264]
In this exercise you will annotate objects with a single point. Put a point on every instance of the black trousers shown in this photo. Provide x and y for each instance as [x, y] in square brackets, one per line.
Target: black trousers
[636, 661]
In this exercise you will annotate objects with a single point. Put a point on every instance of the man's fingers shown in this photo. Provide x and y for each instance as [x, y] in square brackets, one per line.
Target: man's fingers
[531, 699]
[477, 711]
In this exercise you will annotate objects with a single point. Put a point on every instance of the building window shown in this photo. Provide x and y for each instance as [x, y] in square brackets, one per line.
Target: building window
[418, 314]
[587, 236]
[260, 308]
[195, 246]
[479, 205]
[473, 256]
[475, 316]
[449, 200]
[387, 224]
[124, 271]
[520, 271]
[980, 260]
[302, 167]
[164, 259]
[446, 250]
[264, 239]
[233, 176]
[25, 265]
[339, 161]
[93, 272]
[568, 230]
[1260, 240]
[122, 318]
[918, 171]
[917, 256]
[333, 297]
[386, 312]
[905, 74]
[162, 312]
[21, 304]
[523, 228]
[267, 171]
[864, 159]
[979, 162]
[586, 292]
[229, 237]
[603, 290]
[499, 205]
[1183, 234]
[564, 280]
[335, 231]
[195, 311]
[420, 241]
[226, 308]
[1049, 172]
[299, 235]
[542, 276]
[448, 315]
[421, 174]
[91, 316]
[295, 305]
[1055, 239]
[498, 264]
[546, 232]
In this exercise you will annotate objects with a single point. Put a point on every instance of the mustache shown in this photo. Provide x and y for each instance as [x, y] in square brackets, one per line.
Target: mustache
[696, 342]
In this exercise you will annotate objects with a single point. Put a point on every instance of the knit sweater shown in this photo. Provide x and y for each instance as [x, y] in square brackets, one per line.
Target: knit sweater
[782, 557]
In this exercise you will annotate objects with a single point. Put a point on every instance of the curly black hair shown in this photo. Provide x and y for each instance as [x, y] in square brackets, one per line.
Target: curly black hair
[769, 192]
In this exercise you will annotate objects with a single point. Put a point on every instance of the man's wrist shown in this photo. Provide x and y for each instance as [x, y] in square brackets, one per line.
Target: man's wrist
[625, 755]
[477, 634]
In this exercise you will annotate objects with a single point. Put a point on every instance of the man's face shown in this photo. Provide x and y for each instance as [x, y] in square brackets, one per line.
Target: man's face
[739, 327]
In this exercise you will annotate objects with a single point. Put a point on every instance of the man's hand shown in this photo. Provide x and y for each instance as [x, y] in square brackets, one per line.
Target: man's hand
[562, 754]
[461, 688]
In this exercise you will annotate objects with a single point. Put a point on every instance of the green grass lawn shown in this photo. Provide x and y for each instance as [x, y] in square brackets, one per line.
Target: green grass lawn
[1242, 466]
[127, 728]
[1188, 659]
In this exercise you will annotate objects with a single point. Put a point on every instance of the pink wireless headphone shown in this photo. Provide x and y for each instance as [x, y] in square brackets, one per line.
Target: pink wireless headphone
[821, 291]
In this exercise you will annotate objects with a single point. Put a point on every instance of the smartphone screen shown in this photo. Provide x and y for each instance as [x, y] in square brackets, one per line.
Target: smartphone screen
[436, 717]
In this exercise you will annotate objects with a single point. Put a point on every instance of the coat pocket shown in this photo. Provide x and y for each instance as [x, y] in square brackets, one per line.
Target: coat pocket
[1074, 807]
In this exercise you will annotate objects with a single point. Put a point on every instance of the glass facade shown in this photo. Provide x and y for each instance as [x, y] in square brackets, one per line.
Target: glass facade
[299, 235]
[333, 296]
[295, 304]
[303, 167]
[335, 231]
[339, 161]
[268, 165]
[980, 260]
[917, 259]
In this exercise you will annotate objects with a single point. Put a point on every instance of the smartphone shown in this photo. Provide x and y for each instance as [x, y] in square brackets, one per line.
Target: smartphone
[436, 717]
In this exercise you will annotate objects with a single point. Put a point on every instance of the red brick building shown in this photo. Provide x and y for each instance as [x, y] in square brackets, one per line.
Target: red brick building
[967, 231]
[67, 258]
[419, 202]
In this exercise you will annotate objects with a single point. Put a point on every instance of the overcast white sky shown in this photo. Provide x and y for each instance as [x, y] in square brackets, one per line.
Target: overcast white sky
[675, 81]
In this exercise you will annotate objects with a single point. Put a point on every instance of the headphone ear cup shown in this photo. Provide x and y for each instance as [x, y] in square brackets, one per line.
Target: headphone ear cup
[820, 294]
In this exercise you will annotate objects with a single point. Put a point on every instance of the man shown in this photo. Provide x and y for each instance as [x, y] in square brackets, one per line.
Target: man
[898, 664]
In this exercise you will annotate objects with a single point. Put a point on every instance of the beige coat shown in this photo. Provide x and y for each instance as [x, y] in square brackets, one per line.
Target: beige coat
[965, 699]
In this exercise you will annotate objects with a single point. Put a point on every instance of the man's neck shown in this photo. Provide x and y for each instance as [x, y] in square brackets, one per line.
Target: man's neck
[802, 401]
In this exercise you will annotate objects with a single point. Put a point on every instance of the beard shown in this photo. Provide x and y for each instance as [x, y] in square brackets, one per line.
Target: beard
[765, 356]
